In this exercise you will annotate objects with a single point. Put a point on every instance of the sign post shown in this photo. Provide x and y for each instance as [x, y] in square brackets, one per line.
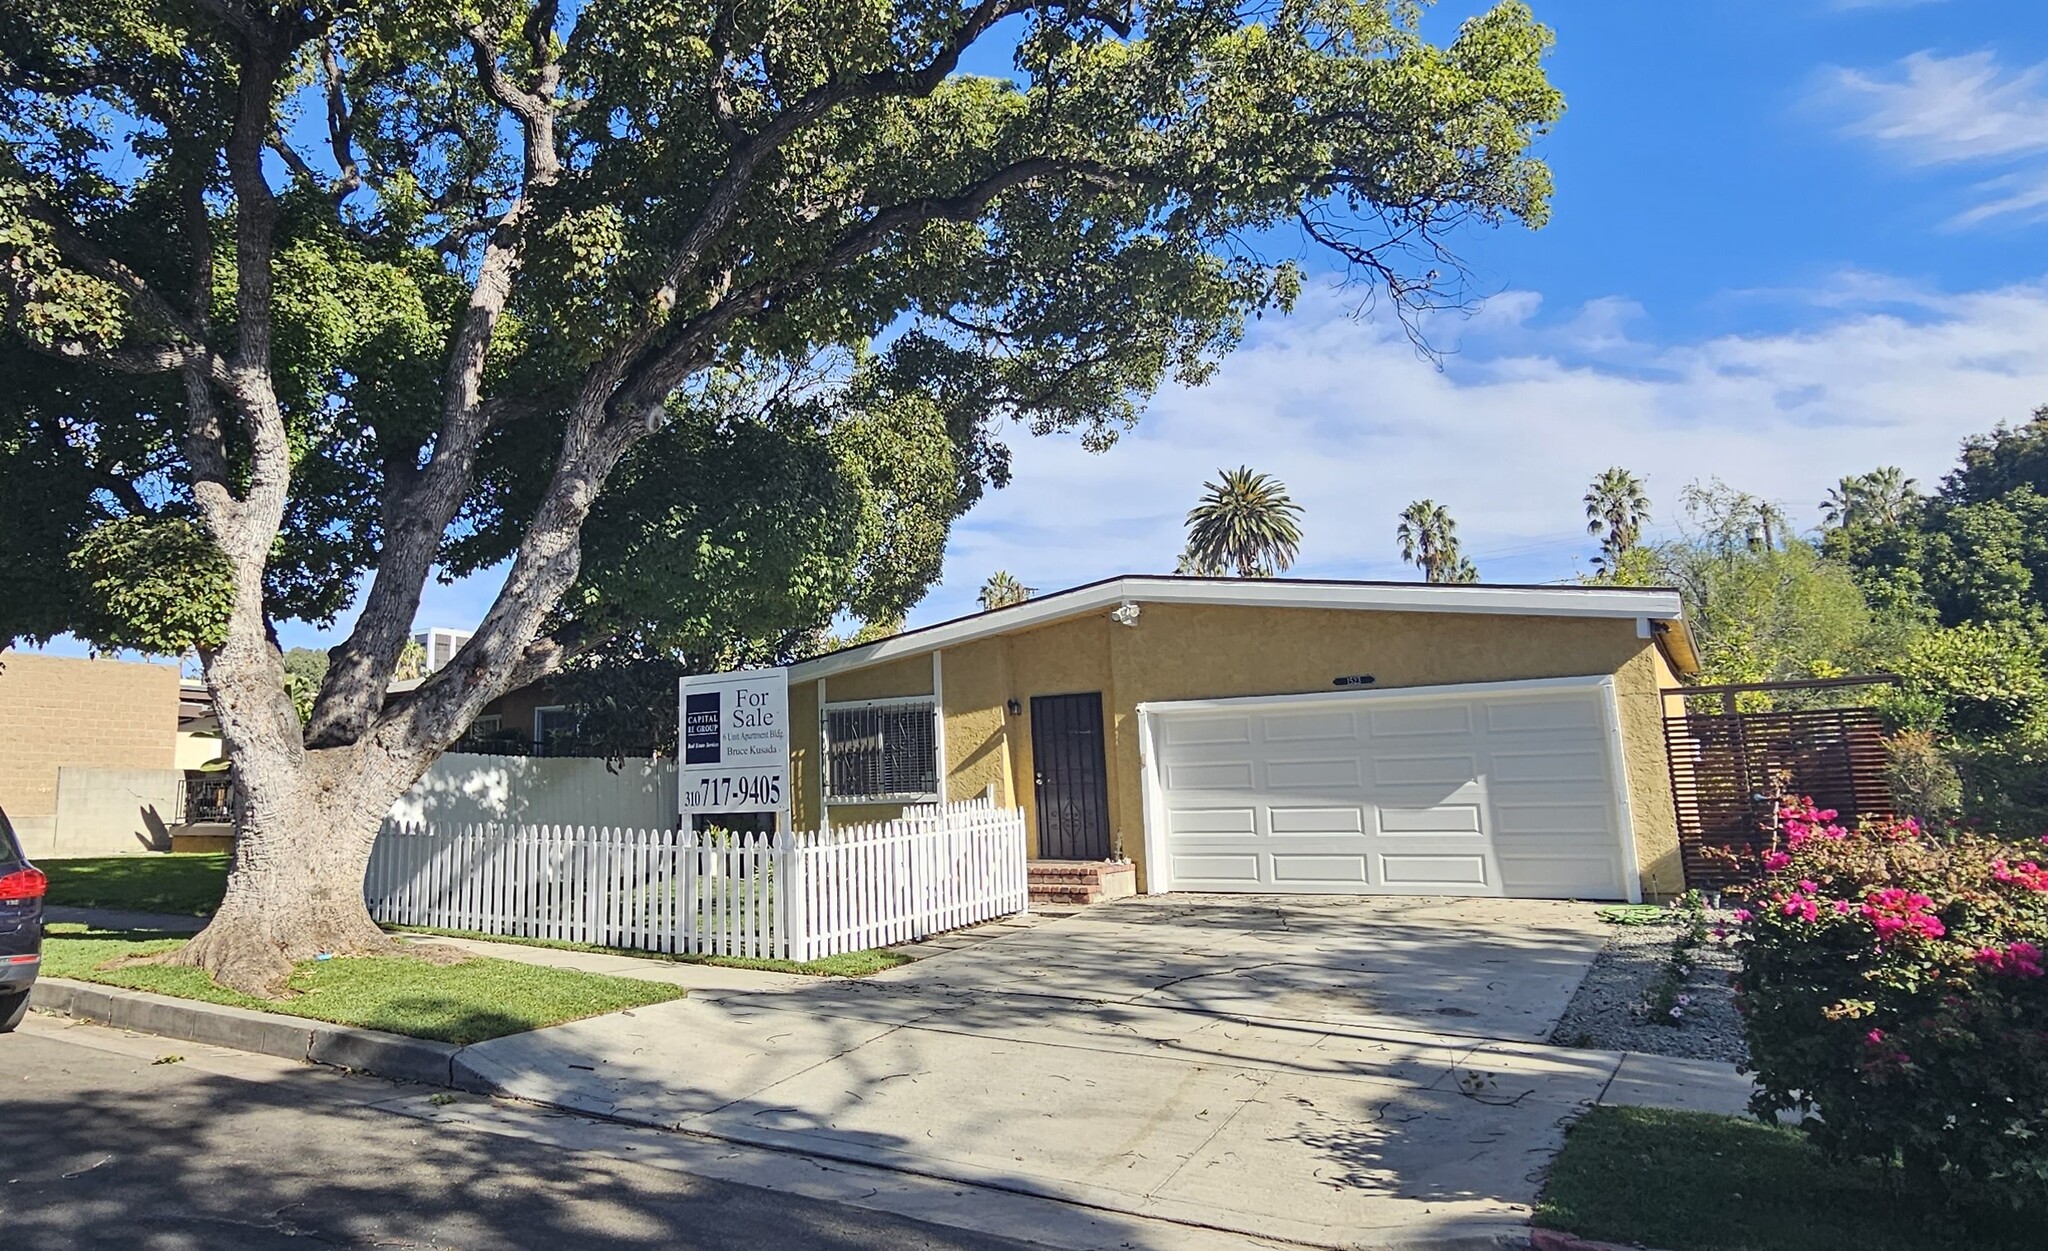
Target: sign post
[735, 743]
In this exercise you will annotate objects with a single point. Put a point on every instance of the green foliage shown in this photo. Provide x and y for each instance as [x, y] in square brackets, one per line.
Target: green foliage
[1429, 540]
[1617, 508]
[1894, 981]
[1980, 692]
[154, 585]
[1245, 524]
[304, 668]
[1002, 590]
[817, 267]
[1924, 781]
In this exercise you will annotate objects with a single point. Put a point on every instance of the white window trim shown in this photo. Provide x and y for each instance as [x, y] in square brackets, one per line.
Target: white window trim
[825, 711]
[537, 713]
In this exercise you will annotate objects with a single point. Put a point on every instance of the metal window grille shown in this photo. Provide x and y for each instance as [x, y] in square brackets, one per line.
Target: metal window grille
[886, 751]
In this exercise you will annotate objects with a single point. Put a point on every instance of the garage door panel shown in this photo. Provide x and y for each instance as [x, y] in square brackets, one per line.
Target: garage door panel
[1425, 719]
[1391, 770]
[1217, 872]
[1191, 731]
[1413, 873]
[1467, 795]
[1309, 727]
[1586, 764]
[1511, 819]
[1235, 775]
[1317, 775]
[1349, 870]
[1316, 821]
[1435, 819]
[1542, 715]
[1196, 821]
[1549, 876]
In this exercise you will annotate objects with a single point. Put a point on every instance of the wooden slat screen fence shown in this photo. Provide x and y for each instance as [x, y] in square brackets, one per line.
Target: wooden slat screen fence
[1728, 770]
[781, 896]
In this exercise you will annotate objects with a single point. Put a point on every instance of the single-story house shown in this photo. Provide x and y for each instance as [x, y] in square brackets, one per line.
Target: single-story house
[1278, 735]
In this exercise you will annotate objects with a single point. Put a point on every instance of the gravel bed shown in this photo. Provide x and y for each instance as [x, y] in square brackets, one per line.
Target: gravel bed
[1612, 1009]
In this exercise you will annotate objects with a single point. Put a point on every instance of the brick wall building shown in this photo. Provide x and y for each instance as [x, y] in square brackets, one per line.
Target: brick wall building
[61, 712]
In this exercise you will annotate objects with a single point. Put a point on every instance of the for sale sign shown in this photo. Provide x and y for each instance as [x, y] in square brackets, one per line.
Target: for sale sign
[735, 742]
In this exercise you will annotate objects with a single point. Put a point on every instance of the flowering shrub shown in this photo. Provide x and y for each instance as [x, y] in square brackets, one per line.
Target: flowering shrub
[1897, 982]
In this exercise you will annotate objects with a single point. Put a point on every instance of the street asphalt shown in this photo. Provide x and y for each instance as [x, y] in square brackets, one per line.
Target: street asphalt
[112, 1148]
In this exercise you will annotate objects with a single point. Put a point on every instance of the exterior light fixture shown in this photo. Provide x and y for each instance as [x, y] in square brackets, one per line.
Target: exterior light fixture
[1126, 614]
[1013, 707]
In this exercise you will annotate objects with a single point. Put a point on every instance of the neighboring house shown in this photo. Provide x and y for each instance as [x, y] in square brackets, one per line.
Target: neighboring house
[88, 752]
[1278, 735]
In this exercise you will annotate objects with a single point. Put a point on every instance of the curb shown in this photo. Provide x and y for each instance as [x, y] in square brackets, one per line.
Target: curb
[265, 1033]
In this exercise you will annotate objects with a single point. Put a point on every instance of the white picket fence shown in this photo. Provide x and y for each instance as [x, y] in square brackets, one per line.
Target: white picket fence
[793, 897]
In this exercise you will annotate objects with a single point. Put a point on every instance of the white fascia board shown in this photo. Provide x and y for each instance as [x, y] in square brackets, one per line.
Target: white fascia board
[1625, 604]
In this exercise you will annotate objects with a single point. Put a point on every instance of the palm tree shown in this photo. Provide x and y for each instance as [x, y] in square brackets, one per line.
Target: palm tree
[1880, 497]
[1245, 523]
[1617, 507]
[1844, 501]
[1429, 540]
[1002, 590]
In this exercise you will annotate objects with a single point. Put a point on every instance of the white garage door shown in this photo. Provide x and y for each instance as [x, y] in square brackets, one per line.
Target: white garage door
[1491, 789]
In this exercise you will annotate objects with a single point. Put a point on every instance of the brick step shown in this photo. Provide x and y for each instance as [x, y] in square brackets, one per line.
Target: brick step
[1056, 872]
[1080, 881]
[1056, 894]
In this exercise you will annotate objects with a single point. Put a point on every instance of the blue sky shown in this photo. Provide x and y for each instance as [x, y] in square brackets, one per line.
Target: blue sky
[1791, 240]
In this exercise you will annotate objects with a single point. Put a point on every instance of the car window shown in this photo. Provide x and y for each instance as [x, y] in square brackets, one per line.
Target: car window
[10, 851]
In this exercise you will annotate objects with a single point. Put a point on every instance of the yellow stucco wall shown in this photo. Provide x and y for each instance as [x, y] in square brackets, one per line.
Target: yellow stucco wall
[911, 675]
[1185, 651]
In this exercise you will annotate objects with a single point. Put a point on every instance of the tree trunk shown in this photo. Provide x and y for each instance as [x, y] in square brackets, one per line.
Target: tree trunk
[305, 824]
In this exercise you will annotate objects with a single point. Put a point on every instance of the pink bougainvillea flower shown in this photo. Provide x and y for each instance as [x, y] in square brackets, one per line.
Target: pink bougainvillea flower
[2020, 959]
[1893, 913]
[2026, 874]
[1802, 906]
[1874, 1038]
[1743, 916]
[1807, 886]
[1776, 860]
[1842, 907]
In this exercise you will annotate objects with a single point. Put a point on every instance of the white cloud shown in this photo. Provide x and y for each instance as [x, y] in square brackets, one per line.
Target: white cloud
[1959, 110]
[1509, 433]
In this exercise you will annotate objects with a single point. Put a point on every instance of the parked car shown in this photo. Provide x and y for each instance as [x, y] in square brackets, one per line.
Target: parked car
[22, 886]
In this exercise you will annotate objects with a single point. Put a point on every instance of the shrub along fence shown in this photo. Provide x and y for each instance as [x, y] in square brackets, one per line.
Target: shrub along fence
[774, 896]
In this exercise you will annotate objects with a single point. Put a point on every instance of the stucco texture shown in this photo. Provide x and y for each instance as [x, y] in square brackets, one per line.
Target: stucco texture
[1200, 651]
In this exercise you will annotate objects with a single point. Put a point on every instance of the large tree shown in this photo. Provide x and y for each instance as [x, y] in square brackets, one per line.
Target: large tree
[1428, 536]
[1245, 524]
[1617, 509]
[306, 303]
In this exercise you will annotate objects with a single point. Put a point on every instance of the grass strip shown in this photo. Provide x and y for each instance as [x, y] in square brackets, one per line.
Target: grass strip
[1689, 1181]
[478, 999]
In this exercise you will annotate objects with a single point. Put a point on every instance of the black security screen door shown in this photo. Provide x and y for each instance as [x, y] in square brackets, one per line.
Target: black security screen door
[1072, 776]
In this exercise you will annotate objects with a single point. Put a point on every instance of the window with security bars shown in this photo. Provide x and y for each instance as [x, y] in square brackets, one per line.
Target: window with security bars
[881, 752]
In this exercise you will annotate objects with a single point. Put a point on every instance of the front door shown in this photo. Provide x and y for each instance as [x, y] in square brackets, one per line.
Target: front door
[1071, 776]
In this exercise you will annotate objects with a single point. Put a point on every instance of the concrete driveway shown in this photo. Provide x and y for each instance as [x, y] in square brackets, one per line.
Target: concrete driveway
[1344, 1072]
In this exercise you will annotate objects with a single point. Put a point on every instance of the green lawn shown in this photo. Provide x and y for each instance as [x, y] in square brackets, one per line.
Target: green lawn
[460, 1003]
[852, 964]
[1687, 1181]
[188, 885]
